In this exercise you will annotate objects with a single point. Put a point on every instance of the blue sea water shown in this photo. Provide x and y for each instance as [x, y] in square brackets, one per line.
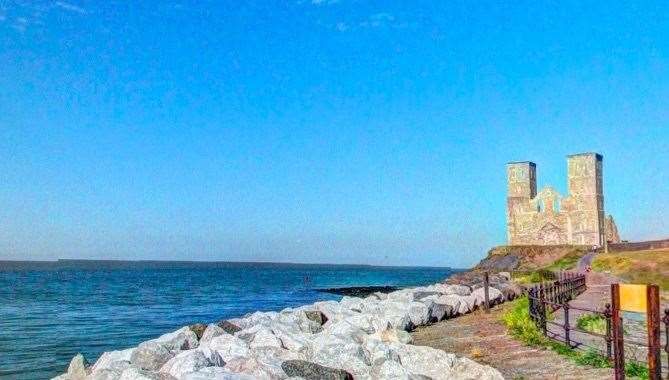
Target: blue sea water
[50, 311]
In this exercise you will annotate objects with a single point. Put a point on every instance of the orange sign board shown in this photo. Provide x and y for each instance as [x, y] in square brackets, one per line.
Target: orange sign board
[633, 298]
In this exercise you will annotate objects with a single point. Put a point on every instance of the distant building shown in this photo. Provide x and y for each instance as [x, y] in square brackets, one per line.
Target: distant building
[546, 217]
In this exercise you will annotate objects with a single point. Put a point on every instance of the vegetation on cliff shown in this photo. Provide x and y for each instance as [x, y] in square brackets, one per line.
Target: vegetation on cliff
[533, 257]
[645, 267]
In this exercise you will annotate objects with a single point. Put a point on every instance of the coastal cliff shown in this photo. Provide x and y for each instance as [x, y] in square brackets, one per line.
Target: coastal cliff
[361, 338]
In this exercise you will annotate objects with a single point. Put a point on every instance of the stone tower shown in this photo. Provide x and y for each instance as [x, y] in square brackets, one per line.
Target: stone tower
[522, 188]
[586, 211]
[545, 217]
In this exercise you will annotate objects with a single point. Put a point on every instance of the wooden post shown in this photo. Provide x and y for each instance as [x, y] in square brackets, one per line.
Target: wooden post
[542, 299]
[565, 307]
[618, 344]
[486, 284]
[665, 319]
[653, 322]
[607, 315]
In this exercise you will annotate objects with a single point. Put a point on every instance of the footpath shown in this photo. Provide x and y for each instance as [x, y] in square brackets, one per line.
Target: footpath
[482, 337]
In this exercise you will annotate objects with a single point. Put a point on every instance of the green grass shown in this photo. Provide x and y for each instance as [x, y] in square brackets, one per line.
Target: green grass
[520, 326]
[637, 267]
[592, 322]
[567, 261]
[533, 277]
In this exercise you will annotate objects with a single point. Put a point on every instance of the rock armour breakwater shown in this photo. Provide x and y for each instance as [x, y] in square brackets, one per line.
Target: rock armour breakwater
[361, 338]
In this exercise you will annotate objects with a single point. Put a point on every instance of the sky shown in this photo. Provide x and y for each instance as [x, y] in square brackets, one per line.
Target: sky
[320, 131]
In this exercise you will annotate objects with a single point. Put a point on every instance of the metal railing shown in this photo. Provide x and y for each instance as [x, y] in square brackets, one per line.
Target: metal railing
[546, 299]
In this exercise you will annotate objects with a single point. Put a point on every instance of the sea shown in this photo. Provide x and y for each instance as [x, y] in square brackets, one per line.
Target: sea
[50, 311]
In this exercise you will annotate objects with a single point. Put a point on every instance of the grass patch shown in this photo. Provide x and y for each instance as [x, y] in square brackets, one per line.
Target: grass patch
[520, 326]
[592, 322]
[568, 261]
[533, 277]
[640, 267]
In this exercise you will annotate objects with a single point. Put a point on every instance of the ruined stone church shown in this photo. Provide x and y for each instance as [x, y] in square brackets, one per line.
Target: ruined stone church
[548, 218]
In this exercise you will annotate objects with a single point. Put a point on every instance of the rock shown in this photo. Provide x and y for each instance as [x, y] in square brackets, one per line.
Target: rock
[228, 347]
[211, 332]
[229, 327]
[111, 365]
[351, 303]
[184, 362]
[349, 356]
[290, 340]
[437, 364]
[419, 314]
[460, 290]
[255, 368]
[420, 295]
[78, 368]
[316, 316]
[133, 373]
[109, 359]
[312, 371]
[395, 335]
[198, 329]
[216, 373]
[182, 339]
[298, 321]
[439, 311]
[390, 370]
[150, 355]
[265, 338]
[470, 370]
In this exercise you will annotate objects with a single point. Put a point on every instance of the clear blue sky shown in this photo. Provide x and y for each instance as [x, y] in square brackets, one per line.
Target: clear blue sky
[341, 131]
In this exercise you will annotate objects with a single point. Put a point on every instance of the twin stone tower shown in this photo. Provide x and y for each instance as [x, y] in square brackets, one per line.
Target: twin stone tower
[547, 218]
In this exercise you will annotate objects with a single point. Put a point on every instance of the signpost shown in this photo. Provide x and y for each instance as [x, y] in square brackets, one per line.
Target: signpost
[637, 299]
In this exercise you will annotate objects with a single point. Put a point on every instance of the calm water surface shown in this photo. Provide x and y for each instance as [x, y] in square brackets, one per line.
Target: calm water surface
[51, 311]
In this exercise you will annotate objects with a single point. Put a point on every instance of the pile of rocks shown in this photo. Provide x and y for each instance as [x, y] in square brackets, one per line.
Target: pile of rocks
[361, 338]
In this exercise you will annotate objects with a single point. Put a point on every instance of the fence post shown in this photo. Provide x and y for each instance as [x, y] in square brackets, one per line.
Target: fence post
[567, 340]
[666, 332]
[618, 344]
[653, 321]
[486, 284]
[542, 305]
[607, 315]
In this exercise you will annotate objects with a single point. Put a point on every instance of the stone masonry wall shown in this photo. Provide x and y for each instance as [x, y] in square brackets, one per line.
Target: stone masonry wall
[548, 218]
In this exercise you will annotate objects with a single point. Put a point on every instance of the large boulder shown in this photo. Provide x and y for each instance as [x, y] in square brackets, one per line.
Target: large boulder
[349, 356]
[198, 329]
[216, 373]
[437, 364]
[312, 371]
[151, 355]
[133, 373]
[182, 339]
[391, 370]
[111, 365]
[185, 362]
[256, 368]
[228, 327]
[265, 338]
[316, 316]
[419, 314]
[291, 340]
[78, 368]
[227, 347]
[211, 332]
